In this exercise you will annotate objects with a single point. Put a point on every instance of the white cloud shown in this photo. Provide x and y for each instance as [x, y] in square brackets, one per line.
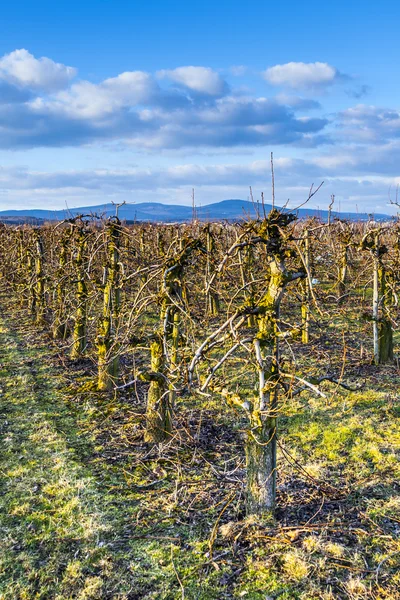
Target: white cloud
[131, 87]
[199, 79]
[39, 109]
[22, 69]
[88, 100]
[369, 124]
[134, 109]
[301, 75]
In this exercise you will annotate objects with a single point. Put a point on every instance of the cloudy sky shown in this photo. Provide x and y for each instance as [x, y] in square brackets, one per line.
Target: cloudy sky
[113, 100]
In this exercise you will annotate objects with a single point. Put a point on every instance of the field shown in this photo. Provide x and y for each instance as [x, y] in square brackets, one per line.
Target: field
[200, 411]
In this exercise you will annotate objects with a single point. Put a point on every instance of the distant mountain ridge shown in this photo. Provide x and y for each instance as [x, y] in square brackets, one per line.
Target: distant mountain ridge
[156, 212]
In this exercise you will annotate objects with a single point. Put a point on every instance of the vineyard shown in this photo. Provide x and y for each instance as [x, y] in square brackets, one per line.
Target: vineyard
[200, 411]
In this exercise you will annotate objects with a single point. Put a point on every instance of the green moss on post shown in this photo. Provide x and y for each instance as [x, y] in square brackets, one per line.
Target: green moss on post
[31, 282]
[381, 296]
[39, 279]
[107, 350]
[262, 413]
[261, 469]
[60, 329]
[212, 300]
[305, 305]
[158, 413]
[79, 339]
[164, 350]
[245, 266]
[385, 341]
[385, 336]
[22, 275]
[343, 269]
[261, 439]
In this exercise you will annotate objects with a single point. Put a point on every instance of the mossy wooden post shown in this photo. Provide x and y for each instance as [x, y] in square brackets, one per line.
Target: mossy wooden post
[345, 240]
[60, 330]
[142, 244]
[26, 276]
[385, 335]
[375, 296]
[385, 341]
[30, 261]
[164, 348]
[305, 305]
[108, 366]
[22, 274]
[79, 336]
[158, 413]
[261, 411]
[175, 336]
[164, 359]
[39, 277]
[245, 267]
[160, 243]
[344, 262]
[261, 437]
[212, 300]
[382, 327]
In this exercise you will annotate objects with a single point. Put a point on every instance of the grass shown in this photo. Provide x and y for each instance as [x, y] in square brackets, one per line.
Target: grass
[87, 510]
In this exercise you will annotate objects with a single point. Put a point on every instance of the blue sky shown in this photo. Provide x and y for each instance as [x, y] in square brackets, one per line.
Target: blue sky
[141, 101]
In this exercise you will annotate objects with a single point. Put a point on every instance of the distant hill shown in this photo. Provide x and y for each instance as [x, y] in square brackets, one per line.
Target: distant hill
[231, 210]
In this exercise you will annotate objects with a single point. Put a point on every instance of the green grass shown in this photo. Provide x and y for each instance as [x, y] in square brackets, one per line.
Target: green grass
[87, 510]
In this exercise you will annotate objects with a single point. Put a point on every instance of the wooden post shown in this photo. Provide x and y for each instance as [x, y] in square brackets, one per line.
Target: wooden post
[305, 306]
[108, 366]
[79, 340]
